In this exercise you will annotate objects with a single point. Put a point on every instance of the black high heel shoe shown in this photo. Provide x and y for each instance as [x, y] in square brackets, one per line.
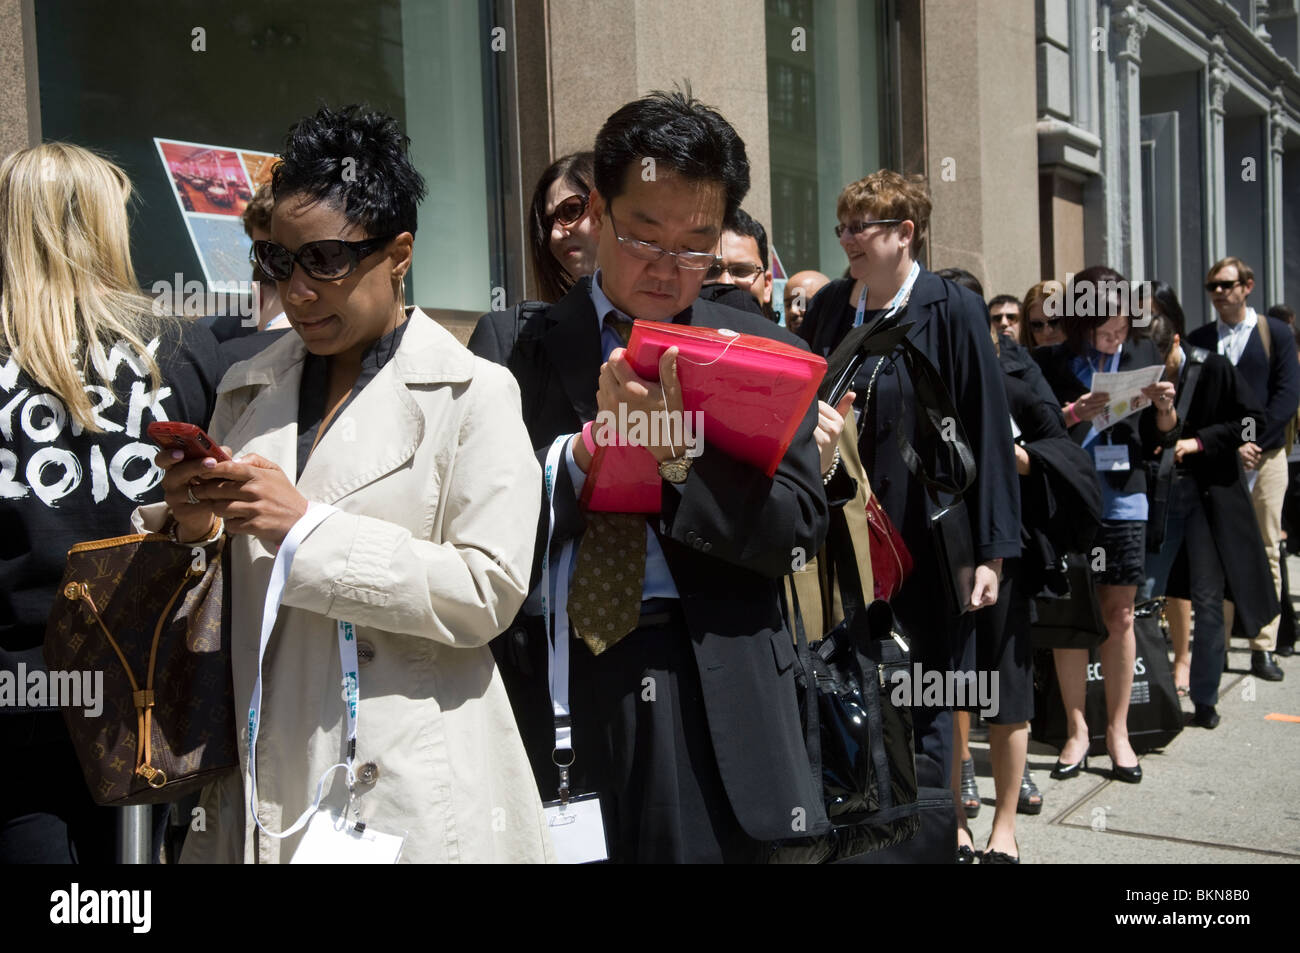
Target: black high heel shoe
[1063, 772]
[1131, 775]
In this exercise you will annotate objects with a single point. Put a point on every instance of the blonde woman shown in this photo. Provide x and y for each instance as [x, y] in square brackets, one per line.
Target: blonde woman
[85, 367]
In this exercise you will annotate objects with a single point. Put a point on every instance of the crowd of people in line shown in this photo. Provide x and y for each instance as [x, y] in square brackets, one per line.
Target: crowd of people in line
[458, 547]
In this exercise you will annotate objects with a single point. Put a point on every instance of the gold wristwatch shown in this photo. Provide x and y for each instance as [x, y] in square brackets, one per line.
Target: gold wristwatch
[675, 470]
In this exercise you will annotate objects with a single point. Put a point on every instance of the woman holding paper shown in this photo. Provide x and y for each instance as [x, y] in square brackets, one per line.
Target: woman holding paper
[1096, 343]
[414, 453]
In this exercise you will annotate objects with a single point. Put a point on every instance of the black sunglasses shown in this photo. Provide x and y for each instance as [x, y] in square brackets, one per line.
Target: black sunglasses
[1040, 325]
[569, 211]
[1213, 287]
[330, 259]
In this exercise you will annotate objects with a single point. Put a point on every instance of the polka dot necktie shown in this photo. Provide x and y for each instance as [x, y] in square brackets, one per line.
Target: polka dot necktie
[605, 595]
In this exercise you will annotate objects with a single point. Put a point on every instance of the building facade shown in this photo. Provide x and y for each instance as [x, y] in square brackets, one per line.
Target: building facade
[1151, 136]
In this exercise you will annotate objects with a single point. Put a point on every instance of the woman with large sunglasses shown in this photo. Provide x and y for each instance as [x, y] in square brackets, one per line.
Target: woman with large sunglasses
[382, 496]
[562, 238]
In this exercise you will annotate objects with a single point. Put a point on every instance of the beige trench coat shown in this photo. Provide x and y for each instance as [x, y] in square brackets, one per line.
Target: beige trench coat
[430, 558]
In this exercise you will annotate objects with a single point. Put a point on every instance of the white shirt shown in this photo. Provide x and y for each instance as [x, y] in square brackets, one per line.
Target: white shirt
[1233, 338]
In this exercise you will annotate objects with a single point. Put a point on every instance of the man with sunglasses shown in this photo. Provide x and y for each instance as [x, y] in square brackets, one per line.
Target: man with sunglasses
[683, 716]
[1260, 347]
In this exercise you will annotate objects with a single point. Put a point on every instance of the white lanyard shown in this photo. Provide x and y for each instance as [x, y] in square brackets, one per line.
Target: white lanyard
[1093, 432]
[315, 515]
[557, 650]
[899, 300]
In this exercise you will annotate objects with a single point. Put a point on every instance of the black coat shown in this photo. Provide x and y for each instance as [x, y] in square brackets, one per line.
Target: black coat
[1055, 364]
[951, 327]
[1220, 404]
[1274, 380]
[729, 534]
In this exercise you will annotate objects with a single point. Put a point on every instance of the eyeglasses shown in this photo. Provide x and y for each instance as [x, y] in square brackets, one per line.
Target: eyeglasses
[1044, 325]
[1214, 287]
[741, 271]
[647, 251]
[330, 259]
[857, 228]
[570, 211]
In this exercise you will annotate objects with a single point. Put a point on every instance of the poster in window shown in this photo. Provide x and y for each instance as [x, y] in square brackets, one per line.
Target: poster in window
[212, 185]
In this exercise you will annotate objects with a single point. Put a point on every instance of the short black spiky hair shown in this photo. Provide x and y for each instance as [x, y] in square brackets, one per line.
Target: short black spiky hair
[742, 223]
[378, 190]
[682, 135]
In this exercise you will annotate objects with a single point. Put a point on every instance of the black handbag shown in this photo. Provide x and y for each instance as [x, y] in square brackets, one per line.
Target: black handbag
[859, 742]
[1071, 619]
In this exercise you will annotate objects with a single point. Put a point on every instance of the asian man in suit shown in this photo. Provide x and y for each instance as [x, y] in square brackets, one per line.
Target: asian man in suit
[687, 726]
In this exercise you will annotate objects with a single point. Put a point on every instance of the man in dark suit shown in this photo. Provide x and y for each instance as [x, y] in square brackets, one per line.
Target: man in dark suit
[1261, 349]
[687, 726]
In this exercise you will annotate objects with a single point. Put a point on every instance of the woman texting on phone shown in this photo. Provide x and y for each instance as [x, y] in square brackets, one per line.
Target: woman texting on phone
[374, 410]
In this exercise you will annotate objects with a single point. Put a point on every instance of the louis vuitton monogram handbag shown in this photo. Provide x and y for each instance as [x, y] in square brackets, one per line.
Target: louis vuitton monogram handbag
[153, 616]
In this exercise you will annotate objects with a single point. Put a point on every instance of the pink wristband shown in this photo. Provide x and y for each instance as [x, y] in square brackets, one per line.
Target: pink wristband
[1071, 417]
[587, 440]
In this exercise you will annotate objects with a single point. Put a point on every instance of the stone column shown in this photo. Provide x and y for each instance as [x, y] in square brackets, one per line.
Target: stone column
[1124, 141]
[1274, 270]
[1216, 226]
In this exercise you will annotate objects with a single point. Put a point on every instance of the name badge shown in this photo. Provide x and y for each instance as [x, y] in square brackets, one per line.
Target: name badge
[577, 829]
[329, 839]
[1111, 457]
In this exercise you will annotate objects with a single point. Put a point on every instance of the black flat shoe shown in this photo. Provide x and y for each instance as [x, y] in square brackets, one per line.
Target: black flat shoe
[997, 857]
[1028, 792]
[1063, 772]
[1205, 716]
[970, 793]
[966, 854]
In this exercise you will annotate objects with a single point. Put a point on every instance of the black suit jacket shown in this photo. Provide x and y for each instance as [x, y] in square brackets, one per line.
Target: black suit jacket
[729, 534]
[951, 327]
[1274, 381]
[1055, 364]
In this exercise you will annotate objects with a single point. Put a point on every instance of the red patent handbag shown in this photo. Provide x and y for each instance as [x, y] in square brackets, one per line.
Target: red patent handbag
[891, 563]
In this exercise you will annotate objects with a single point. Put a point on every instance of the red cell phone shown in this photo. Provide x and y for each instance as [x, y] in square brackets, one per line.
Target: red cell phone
[191, 440]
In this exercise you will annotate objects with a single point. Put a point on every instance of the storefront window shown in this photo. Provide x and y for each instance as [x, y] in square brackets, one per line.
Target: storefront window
[190, 98]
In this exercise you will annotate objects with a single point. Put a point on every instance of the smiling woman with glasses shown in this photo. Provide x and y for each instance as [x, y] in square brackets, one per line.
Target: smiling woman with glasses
[882, 223]
[400, 464]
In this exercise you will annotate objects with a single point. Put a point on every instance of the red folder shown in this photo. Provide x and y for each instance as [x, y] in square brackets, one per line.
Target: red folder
[752, 393]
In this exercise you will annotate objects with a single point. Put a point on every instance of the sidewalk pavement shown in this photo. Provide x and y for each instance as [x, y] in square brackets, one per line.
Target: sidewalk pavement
[1227, 796]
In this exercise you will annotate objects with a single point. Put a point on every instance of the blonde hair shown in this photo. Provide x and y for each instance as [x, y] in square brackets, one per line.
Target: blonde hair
[65, 263]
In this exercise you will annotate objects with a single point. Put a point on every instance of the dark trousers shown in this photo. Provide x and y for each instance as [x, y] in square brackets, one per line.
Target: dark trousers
[1188, 528]
[641, 741]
